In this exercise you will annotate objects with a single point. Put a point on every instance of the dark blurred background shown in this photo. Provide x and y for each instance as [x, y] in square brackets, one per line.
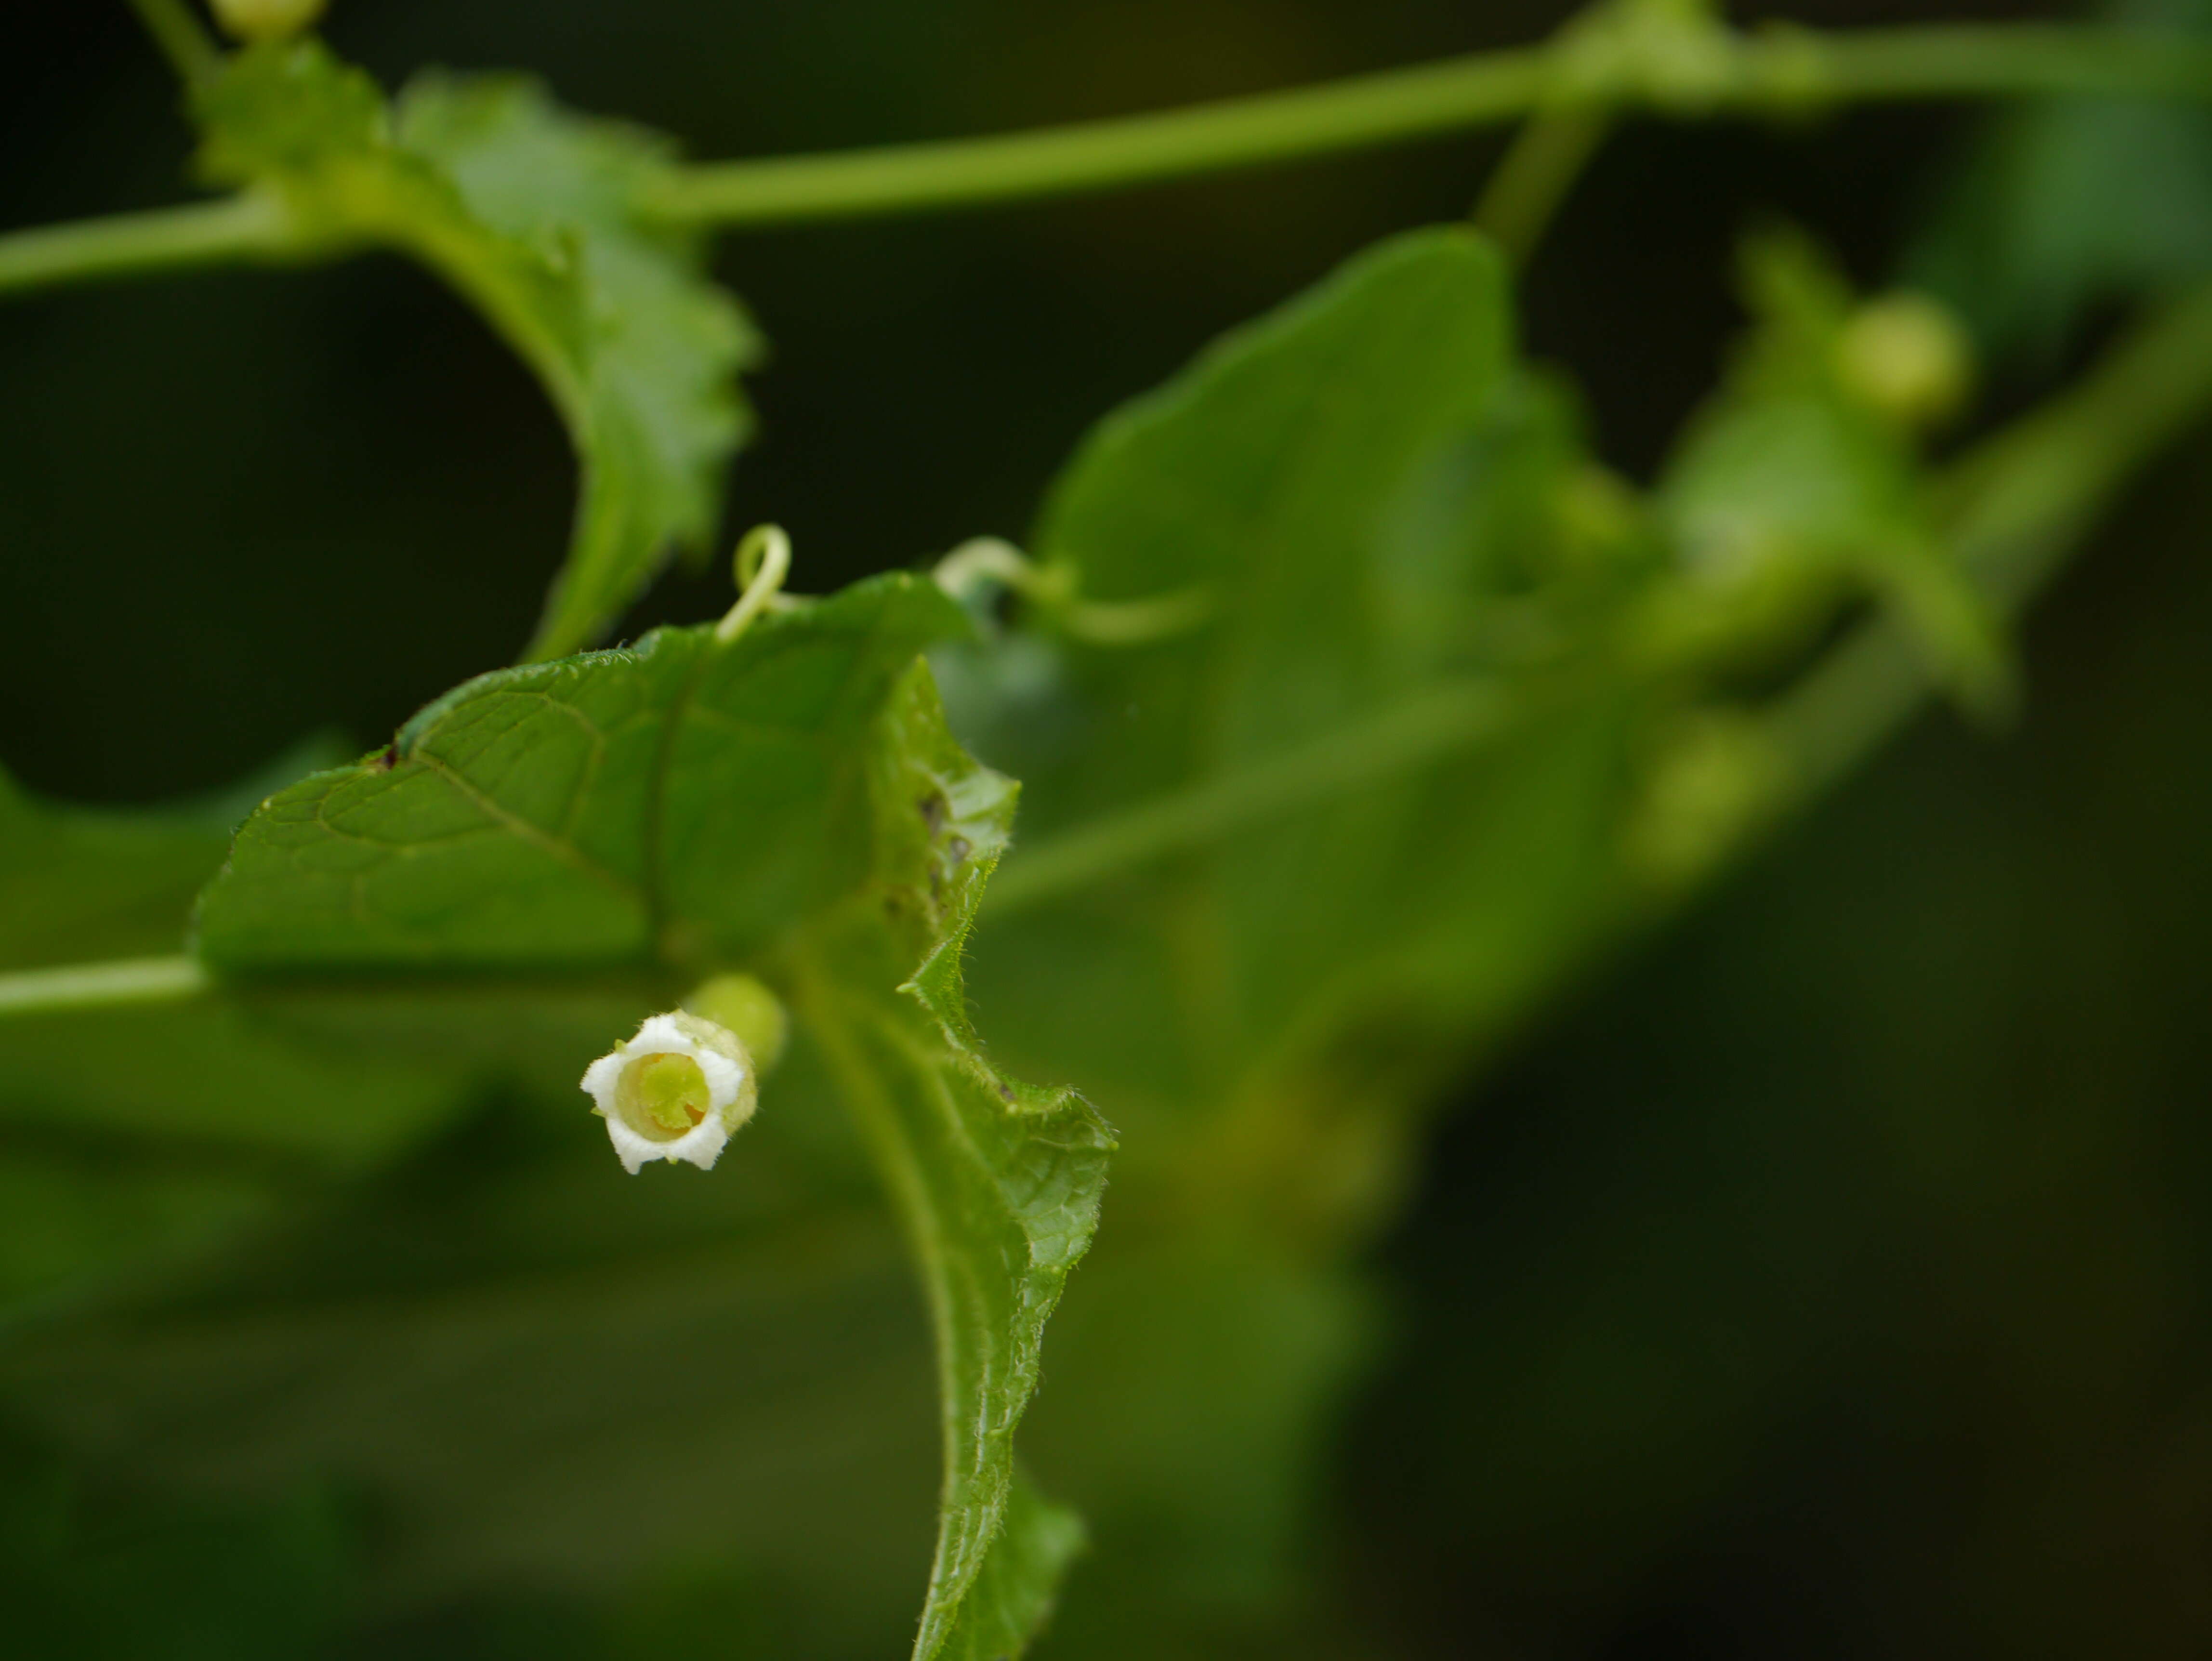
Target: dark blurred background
[1831, 1280]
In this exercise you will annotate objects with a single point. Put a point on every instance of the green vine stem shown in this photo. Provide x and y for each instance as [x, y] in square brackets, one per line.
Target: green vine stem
[101, 985]
[183, 39]
[1533, 177]
[235, 229]
[1775, 71]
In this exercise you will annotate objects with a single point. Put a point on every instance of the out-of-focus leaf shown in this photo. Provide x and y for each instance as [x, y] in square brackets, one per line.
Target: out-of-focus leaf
[1336, 477]
[789, 803]
[525, 210]
[1289, 861]
[125, 1136]
[535, 1385]
[80, 885]
[72, 1217]
[1196, 1378]
[1391, 521]
[107, 1576]
[2068, 204]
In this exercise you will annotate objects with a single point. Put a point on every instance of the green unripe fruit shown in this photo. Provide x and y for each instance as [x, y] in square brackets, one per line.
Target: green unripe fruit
[745, 1006]
[1906, 356]
[266, 20]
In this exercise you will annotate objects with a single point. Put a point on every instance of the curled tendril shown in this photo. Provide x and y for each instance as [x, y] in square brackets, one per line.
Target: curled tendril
[763, 560]
[1053, 589]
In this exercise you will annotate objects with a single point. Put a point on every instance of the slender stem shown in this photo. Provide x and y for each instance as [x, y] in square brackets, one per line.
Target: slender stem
[136, 244]
[189, 47]
[1773, 70]
[1424, 728]
[1975, 60]
[1532, 180]
[101, 985]
[1093, 156]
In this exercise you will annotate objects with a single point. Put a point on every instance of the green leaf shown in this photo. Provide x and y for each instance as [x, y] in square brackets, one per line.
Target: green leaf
[1281, 872]
[526, 210]
[461, 1349]
[1299, 855]
[671, 806]
[659, 346]
[1012, 1598]
[129, 1137]
[78, 883]
[998, 1183]
[790, 804]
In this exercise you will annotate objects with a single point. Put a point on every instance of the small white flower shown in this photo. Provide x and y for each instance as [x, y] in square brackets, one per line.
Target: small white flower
[674, 1092]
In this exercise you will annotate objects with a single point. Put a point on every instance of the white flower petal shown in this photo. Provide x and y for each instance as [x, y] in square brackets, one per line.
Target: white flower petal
[601, 1077]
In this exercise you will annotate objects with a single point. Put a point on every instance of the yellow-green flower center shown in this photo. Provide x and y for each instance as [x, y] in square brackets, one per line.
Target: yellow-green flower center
[662, 1096]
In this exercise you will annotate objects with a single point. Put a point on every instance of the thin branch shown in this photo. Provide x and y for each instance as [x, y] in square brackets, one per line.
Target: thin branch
[102, 985]
[1426, 728]
[1532, 178]
[1770, 71]
[184, 40]
[239, 228]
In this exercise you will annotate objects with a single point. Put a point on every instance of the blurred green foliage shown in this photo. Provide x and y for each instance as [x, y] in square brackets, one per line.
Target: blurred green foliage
[2061, 208]
[1868, 1211]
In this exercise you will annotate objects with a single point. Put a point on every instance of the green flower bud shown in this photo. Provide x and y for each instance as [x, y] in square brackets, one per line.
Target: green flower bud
[1906, 356]
[676, 1091]
[1704, 786]
[747, 1008]
[266, 20]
